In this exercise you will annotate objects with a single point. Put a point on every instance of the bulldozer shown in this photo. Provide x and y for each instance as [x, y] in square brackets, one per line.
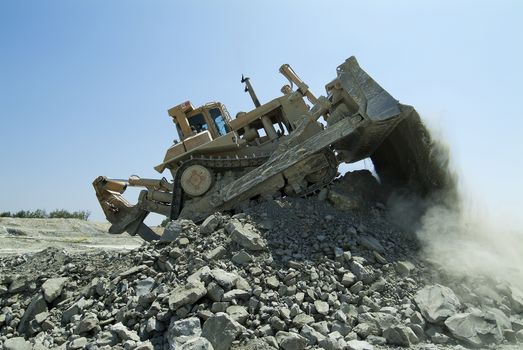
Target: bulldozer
[289, 146]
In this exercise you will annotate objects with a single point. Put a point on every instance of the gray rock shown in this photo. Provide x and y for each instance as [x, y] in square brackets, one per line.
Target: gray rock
[123, 332]
[348, 279]
[17, 343]
[359, 345]
[88, 323]
[371, 243]
[321, 307]
[153, 325]
[74, 309]
[242, 258]
[172, 231]
[438, 338]
[199, 343]
[225, 279]
[362, 273]
[516, 299]
[245, 236]
[133, 270]
[52, 288]
[215, 292]
[329, 343]
[144, 346]
[182, 331]
[238, 313]
[311, 334]
[437, 303]
[470, 328]
[189, 293]
[400, 335]
[519, 336]
[78, 343]
[41, 317]
[272, 282]
[36, 306]
[144, 286]
[376, 340]
[18, 284]
[404, 268]
[356, 287]
[236, 294]
[291, 341]
[107, 338]
[302, 319]
[374, 323]
[417, 318]
[364, 329]
[210, 224]
[221, 330]
[322, 327]
[216, 253]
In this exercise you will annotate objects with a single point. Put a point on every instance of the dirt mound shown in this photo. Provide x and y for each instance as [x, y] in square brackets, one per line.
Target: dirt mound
[286, 273]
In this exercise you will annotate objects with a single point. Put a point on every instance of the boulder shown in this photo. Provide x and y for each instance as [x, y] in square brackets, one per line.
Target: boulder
[88, 323]
[189, 293]
[172, 231]
[144, 286]
[124, 333]
[238, 313]
[52, 288]
[473, 329]
[242, 258]
[348, 279]
[321, 307]
[361, 272]
[182, 331]
[516, 299]
[437, 303]
[221, 330]
[404, 268]
[359, 345]
[302, 319]
[17, 343]
[225, 279]
[312, 335]
[245, 236]
[400, 335]
[74, 309]
[370, 243]
[291, 341]
[199, 343]
[210, 224]
[36, 306]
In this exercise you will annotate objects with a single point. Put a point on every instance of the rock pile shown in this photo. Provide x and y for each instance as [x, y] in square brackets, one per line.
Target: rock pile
[288, 273]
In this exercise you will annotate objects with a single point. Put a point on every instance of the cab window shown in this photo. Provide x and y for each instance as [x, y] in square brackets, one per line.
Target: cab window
[216, 115]
[198, 123]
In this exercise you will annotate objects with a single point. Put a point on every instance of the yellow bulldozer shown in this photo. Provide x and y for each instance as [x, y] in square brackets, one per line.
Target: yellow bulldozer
[289, 146]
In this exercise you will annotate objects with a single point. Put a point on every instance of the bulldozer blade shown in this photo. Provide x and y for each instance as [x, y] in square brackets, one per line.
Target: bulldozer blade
[147, 233]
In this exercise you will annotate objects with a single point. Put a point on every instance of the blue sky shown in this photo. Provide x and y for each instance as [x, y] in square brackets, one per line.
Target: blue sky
[85, 85]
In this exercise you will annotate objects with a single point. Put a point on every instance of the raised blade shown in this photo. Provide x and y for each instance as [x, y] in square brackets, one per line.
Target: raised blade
[147, 233]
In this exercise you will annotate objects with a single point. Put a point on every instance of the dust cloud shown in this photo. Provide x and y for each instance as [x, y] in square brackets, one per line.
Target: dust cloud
[465, 240]
[459, 232]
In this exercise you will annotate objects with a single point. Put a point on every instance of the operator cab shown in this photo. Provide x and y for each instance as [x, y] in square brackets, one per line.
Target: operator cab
[211, 118]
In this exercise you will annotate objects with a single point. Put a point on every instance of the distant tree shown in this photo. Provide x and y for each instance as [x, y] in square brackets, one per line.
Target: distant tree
[65, 214]
[42, 214]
